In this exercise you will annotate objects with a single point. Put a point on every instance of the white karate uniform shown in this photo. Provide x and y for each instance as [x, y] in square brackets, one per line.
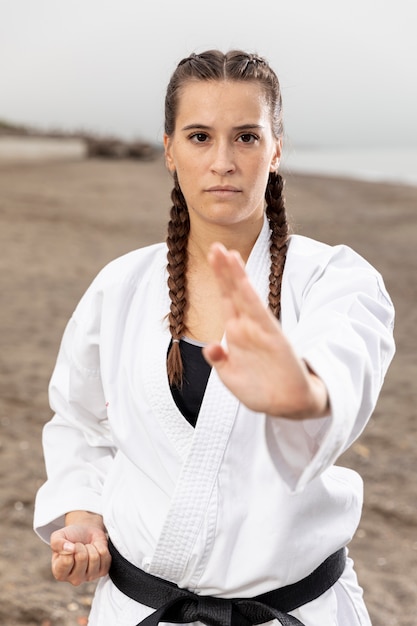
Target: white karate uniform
[245, 502]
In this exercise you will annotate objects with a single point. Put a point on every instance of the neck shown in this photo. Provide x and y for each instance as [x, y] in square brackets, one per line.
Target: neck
[240, 237]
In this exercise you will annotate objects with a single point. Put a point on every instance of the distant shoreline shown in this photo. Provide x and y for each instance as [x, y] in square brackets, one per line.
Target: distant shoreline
[23, 148]
[394, 165]
[18, 149]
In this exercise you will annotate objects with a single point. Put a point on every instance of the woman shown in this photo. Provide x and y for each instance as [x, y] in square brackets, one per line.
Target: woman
[245, 499]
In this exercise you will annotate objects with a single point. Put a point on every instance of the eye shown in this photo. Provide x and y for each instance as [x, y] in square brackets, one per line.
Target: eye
[199, 137]
[248, 138]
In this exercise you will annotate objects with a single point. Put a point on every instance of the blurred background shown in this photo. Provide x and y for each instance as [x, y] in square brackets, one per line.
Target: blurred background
[87, 78]
[347, 71]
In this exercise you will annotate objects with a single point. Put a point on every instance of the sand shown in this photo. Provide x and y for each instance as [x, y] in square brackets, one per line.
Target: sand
[60, 223]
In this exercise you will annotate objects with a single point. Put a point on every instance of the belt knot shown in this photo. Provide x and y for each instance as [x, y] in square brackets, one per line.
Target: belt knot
[214, 611]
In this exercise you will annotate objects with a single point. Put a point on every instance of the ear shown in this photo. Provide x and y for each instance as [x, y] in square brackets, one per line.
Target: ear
[276, 157]
[169, 161]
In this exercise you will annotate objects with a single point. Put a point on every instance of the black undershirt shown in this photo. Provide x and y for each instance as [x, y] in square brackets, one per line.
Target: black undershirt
[189, 397]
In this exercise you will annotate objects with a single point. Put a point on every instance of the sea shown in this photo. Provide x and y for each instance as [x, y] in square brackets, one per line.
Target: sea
[395, 165]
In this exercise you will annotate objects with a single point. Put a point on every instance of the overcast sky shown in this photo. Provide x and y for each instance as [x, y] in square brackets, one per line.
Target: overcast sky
[347, 69]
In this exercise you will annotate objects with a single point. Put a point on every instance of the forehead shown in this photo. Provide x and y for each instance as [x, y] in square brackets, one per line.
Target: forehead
[211, 102]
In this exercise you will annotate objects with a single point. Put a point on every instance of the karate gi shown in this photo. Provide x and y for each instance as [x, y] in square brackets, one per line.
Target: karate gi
[245, 502]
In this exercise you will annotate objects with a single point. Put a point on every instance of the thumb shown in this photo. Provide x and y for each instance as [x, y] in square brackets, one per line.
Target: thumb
[60, 543]
[214, 354]
[67, 548]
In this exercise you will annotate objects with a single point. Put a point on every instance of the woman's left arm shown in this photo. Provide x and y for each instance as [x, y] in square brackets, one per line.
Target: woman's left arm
[318, 383]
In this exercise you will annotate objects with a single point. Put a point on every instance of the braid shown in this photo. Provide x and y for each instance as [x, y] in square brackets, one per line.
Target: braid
[178, 229]
[277, 217]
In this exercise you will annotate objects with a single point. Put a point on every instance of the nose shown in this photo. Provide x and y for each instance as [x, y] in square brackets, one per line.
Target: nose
[223, 161]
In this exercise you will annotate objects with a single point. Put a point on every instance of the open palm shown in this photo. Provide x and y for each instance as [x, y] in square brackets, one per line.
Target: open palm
[258, 364]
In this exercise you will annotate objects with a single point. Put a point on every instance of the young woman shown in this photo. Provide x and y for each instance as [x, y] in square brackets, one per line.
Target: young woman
[200, 404]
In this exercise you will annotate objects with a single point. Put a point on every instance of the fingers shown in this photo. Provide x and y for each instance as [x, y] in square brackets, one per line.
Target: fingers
[228, 268]
[63, 564]
[105, 558]
[86, 562]
[238, 295]
[222, 262]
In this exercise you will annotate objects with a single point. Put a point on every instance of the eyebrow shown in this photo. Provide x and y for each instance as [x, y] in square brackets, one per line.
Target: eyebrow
[236, 128]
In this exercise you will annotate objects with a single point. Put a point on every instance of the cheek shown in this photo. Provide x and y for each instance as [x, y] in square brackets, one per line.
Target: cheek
[261, 174]
[187, 183]
[183, 176]
[189, 171]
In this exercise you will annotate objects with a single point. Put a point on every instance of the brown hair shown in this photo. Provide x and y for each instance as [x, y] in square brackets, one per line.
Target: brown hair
[236, 66]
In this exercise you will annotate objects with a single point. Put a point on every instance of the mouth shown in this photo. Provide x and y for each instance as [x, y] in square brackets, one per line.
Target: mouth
[223, 191]
[224, 188]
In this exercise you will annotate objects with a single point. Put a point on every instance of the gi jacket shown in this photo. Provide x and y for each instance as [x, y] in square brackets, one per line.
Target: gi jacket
[245, 502]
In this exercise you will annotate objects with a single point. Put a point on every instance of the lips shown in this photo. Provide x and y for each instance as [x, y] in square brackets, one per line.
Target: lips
[224, 188]
[223, 192]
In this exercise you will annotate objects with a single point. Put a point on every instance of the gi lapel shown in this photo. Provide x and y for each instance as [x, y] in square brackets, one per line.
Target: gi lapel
[189, 509]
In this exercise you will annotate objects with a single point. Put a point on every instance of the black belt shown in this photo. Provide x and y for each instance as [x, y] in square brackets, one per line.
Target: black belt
[177, 605]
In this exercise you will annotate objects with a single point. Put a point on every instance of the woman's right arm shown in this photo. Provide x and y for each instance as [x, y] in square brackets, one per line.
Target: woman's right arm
[77, 442]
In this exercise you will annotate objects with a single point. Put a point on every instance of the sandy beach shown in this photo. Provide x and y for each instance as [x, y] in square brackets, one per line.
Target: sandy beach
[61, 221]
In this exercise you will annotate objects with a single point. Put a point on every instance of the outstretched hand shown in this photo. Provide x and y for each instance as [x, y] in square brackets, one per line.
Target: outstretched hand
[80, 550]
[258, 364]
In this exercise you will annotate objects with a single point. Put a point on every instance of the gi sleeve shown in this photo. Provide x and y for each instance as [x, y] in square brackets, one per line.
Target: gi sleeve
[344, 333]
[77, 442]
